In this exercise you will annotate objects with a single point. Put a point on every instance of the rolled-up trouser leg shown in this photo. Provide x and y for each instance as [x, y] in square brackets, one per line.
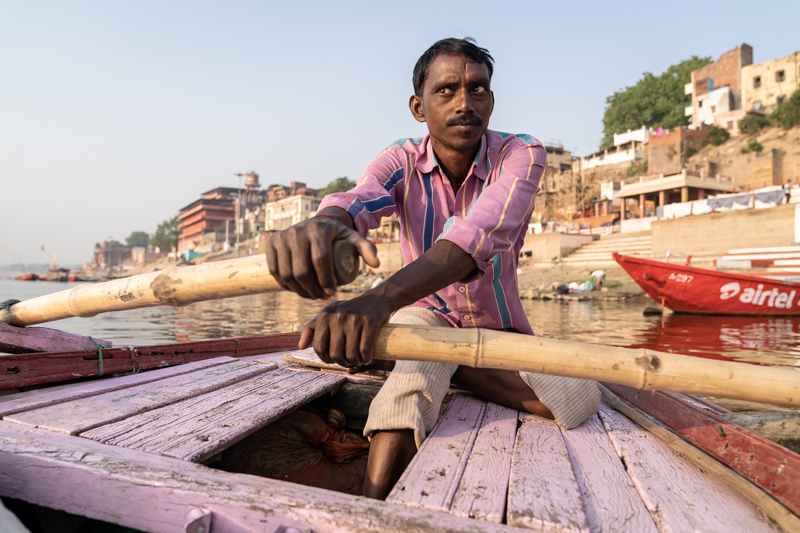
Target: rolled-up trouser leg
[572, 401]
[413, 393]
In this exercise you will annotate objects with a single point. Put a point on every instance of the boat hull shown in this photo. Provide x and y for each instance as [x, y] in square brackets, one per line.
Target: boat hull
[28, 277]
[686, 289]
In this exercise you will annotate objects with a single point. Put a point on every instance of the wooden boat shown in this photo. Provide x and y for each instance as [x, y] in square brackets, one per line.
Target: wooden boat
[686, 289]
[28, 277]
[141, 450]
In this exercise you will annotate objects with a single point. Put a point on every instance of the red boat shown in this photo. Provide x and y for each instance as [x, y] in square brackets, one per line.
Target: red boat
[28, 277]
[686, 289]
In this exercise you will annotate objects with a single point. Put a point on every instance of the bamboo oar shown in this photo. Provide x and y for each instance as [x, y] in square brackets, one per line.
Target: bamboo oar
[176, 286]
[639, 368]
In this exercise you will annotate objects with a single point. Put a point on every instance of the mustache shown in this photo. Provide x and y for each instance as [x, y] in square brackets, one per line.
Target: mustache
[469, 120]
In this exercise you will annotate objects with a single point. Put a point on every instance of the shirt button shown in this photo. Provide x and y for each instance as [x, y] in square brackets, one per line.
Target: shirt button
[462, 289]
[465, 317]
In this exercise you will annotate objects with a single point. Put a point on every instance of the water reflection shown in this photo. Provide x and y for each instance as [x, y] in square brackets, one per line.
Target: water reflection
[772, 340]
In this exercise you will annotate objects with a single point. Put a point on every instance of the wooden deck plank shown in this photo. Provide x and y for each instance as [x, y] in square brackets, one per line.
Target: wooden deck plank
[155, 493]
[431, 479]
[543, 492]
[76, 416]
[483, 488]
[25, 401]
[200, 427]
[26, 340]
[771, 466]
[610, 499]
[680, 495]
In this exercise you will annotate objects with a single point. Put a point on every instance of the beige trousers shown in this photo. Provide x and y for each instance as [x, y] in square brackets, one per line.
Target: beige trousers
[413, 393]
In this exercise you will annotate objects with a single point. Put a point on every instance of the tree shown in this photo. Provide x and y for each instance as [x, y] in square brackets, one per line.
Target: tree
[654, 101]
[717, 135]
[338, 185]
[137, 238]
[166, 235]
[787, 114]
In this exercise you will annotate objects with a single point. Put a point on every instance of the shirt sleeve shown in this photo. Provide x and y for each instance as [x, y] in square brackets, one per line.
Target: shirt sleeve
[494, 222]
[375, 193]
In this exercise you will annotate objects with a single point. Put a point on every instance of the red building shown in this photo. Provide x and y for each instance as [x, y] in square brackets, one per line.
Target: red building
[210, 214]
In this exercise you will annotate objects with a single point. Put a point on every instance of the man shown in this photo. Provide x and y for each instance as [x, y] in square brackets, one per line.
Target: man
[464, 196]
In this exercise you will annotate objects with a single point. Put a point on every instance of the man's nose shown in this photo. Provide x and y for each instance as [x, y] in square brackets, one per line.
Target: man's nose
[463, 102]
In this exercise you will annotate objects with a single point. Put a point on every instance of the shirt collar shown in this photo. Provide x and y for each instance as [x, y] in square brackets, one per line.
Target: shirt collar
[480, 167]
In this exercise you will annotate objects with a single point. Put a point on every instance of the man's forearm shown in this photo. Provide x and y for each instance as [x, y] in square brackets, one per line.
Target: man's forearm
[442, 265]
[338, 214]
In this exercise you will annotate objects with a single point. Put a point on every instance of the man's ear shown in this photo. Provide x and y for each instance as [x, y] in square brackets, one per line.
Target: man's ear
[492, 110]
[417, 108]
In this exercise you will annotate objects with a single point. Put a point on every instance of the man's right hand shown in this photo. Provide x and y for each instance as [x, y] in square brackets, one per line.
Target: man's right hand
[300, 258]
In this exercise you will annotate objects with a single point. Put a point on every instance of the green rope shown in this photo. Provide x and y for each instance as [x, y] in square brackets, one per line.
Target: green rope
[8, 303]
[100, 351]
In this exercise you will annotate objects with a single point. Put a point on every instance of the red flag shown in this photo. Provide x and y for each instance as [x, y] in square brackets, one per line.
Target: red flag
[43, 247]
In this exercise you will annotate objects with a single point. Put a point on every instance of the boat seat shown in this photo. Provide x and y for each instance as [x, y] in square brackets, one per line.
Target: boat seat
[191, 416]
[492, 463]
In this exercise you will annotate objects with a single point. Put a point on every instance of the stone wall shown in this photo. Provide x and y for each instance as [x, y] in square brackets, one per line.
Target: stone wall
[716, 233]
[546, 246]
[668, 152]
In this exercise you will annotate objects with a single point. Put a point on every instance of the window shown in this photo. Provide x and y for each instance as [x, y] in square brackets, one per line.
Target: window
[781, 100]
[757, 105]
[713, 109]
[756, 82]
[700, 103]
[780, 76]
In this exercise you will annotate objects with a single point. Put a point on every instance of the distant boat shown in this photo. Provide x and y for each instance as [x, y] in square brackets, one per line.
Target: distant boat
[58, 274]
[28, 277]
[686, 289]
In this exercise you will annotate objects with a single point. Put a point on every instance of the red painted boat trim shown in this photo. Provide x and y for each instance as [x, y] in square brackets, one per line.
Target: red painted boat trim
[37, 368]
[769, 465]
[686, 289]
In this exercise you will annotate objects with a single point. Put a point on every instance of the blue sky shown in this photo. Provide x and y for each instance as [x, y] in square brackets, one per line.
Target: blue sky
[114, 115]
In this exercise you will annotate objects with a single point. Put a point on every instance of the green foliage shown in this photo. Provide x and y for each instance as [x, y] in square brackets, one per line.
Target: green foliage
[637, 169]
[689, 152]
[137, 238]
[338, 185]
[113, 242]
[654, 101]
[788, 113]
[166, 235]
[717, 135]
[754, 146]
[750, 124]
[743, 150]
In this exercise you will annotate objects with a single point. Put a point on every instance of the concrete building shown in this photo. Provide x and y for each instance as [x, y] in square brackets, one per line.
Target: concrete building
[558, 192]
[769, 84]
[147, 254]
[668, 152]
[716, 89]
[289, 210]
[107, 255]
[388, 231]
[213, 213]
[629, 147]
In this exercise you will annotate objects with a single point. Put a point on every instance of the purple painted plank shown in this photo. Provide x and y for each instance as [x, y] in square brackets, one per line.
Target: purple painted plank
[482, 491]
[25, 401]
[200, 427]
[432, 477]
[156, 493]
[543, 493]
[610, 499]
[27, 340]
[76, 416]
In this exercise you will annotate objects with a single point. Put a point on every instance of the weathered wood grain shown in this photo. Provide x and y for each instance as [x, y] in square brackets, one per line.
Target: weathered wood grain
[27, 340]
[156, 493]
[25, 401]
[680, 495]
[76, 416]
[483, 487]
[432, 477]
[787, 520]
[198, 428]
[771, 466]
[543, 492]
[610, 500]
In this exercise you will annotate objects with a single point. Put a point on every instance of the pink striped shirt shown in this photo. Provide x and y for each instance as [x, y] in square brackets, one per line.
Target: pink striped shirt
[487, 218]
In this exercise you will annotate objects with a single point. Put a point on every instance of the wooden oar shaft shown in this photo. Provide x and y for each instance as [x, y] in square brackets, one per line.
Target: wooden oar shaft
[175, 286]
[639, 368]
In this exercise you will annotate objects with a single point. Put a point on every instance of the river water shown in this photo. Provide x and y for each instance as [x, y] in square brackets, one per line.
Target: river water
[773, 340]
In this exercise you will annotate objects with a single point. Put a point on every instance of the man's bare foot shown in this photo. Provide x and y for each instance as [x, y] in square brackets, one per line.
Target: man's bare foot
[390, 452]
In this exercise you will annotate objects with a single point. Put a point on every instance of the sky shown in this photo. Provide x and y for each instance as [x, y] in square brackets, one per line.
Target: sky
[114, 115]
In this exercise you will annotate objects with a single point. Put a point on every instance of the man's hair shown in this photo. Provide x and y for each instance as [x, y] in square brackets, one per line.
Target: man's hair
[466, 48]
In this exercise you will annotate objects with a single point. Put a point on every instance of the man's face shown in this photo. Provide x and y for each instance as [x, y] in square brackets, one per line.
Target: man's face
[456, 102]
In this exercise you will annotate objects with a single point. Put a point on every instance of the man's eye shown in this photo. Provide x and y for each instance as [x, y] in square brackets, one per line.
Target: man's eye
[480, 89]
[445, 90]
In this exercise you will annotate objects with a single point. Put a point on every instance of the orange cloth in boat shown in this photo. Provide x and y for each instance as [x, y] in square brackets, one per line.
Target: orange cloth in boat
[306, 448]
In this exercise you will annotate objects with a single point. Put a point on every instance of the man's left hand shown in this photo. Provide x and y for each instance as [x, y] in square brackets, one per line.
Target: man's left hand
[344, 332]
